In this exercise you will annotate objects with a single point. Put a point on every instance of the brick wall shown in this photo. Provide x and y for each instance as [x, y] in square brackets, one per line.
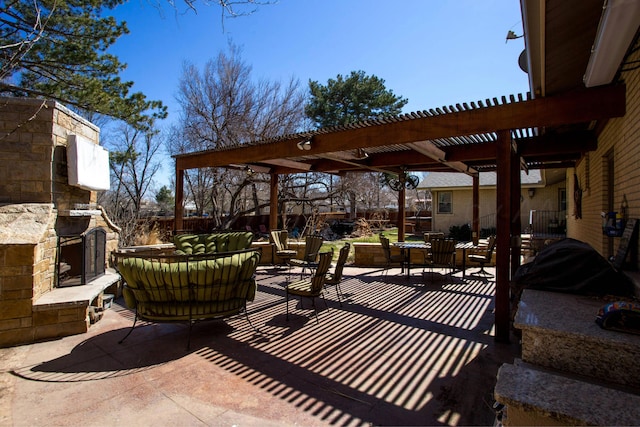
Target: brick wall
[620, 138]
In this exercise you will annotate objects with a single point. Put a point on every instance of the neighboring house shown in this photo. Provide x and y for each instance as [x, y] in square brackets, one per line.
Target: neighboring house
[541, 191]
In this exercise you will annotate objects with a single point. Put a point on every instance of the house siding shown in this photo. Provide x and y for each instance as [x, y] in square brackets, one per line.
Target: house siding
[621, 137]
[545, 199]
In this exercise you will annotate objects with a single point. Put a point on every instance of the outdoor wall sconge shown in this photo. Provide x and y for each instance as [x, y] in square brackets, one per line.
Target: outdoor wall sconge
[532, 192]
[304, 145]
[361, 154]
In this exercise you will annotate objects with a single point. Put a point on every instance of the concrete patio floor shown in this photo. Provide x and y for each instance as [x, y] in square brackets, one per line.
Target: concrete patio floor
[398, 352]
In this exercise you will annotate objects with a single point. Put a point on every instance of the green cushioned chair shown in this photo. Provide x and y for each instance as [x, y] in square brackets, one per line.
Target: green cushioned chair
[169, 288]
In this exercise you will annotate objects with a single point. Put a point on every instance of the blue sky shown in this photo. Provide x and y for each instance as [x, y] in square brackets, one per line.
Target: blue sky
[433, 52]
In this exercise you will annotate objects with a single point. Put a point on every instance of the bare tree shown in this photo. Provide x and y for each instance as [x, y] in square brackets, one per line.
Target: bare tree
[223, 107]
[134, 163]
[363, 191]
[306, 193]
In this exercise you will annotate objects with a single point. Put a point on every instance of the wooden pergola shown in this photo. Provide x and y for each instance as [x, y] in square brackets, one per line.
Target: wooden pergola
[504, 136]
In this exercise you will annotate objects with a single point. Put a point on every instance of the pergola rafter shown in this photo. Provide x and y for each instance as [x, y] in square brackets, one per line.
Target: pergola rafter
[458, 129]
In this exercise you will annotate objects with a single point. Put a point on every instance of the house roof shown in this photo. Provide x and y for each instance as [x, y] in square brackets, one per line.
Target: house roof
[452, 180]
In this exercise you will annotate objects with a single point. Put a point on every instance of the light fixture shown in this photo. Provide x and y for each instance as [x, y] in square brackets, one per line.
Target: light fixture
[304, 145]
[361, 154]
[618, 25]
[512, 36]
[532, 192]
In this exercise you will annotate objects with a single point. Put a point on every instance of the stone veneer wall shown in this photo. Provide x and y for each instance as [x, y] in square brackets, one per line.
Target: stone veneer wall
[28, 244]
[33, 153]
[34, 182]
[44, 267]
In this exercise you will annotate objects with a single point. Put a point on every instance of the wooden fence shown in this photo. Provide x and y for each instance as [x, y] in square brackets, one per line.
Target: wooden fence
[418, 221]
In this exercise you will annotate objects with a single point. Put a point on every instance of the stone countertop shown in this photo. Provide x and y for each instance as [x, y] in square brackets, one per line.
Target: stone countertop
[567, 314]
[545, 393]
[77, 295]
[25, 223]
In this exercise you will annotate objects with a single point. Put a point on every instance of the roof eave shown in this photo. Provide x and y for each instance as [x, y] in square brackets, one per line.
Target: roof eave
[533, 18]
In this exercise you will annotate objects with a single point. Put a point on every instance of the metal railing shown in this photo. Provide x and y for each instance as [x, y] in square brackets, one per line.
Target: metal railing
[547, 224]
[487, 225]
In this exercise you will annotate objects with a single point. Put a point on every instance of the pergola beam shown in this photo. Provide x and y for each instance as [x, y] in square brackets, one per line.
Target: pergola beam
[286, 163]
[429, 149]
[359, 165]
[576, 107]
[552, 144]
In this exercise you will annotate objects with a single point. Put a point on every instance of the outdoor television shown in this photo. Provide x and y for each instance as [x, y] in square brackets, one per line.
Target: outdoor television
[87, 164]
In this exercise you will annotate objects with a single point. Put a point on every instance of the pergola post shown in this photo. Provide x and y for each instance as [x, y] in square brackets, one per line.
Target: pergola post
[273, 202]
[503, 234]
[475, 225]
[178, 223]
[401, 207]
[516, 222]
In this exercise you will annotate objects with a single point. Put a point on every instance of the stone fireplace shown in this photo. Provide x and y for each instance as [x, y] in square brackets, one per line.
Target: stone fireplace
[54, 240]
[81, 258]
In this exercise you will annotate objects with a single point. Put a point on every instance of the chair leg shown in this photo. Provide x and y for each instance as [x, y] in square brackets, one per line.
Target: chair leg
[338, 292]
[135, 319]
[286, 304]
[246, 313]
[485, 272]
[482, 272]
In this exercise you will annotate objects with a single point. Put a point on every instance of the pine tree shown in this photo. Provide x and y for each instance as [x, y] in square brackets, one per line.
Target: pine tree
[351, 99]
[56, 49]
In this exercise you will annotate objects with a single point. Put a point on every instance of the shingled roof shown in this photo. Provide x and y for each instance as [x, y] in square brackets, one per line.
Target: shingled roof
[453, 180]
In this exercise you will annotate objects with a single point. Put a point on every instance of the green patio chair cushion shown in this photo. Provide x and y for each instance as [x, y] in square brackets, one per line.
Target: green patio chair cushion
[213, 287]
[194, 244]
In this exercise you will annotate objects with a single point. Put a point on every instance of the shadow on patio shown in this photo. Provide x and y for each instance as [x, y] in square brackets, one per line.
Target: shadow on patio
[399, 352]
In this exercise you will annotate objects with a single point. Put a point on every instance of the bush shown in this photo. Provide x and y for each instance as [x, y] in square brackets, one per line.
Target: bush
[486, 232]
[462, 233]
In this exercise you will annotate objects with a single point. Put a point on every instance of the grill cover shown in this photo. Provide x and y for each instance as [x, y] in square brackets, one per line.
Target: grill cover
[572, 266]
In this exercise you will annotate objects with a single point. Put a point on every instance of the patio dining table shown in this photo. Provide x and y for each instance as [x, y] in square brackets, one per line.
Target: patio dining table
[406, 248]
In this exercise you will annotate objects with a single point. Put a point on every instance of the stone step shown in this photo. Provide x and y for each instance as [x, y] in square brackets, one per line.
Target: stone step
[65, 311]
[559, 332]
[534, 396]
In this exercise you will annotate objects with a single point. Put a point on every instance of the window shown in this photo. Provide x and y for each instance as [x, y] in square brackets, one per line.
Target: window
[445, 202]
[562, 200]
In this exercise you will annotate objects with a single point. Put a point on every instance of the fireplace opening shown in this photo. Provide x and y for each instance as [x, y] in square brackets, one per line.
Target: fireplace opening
[81, 258]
